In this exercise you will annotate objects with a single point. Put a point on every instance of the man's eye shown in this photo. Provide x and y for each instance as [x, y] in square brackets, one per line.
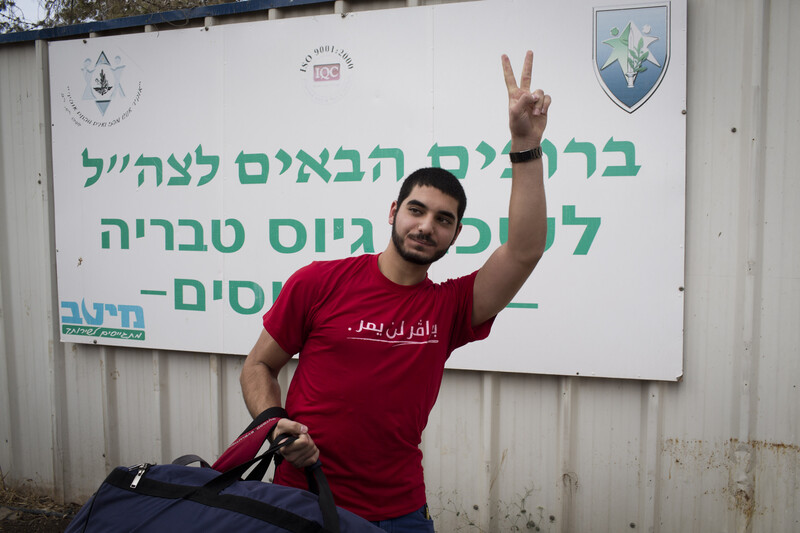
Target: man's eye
[445, 221]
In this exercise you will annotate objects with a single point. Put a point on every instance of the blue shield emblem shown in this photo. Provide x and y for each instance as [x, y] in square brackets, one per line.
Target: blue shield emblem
[631, 52]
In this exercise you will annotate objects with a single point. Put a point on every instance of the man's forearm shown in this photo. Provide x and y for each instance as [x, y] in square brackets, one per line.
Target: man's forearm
[260, 387]
[527, 211]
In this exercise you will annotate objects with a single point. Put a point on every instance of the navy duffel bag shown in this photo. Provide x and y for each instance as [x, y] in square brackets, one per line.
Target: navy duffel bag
[177, 498]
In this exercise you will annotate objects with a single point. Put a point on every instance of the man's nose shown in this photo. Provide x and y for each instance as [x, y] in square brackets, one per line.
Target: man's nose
[425, 224]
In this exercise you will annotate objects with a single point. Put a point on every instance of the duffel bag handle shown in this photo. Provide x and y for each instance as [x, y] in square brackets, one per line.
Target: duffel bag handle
[318, 484]
[186, 460]
[316, 479]
[246, 446]
[224, 480]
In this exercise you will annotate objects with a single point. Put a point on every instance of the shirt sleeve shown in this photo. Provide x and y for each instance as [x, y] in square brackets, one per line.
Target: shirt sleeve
[288, 320]
[463, 330]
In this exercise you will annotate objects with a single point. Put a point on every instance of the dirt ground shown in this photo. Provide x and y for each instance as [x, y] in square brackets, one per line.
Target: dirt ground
[23, 511]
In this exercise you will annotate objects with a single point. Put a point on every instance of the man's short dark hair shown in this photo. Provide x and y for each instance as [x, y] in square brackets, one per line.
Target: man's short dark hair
[438, 178]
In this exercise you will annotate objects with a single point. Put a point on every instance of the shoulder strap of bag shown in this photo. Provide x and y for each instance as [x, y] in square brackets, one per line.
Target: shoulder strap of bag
[246, 445]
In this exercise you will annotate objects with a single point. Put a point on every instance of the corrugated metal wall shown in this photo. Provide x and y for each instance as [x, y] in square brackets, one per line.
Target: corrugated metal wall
[717, 452]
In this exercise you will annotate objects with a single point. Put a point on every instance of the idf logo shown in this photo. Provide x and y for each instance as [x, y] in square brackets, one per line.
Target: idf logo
[99, 93]
[631, 52]
[103, 80]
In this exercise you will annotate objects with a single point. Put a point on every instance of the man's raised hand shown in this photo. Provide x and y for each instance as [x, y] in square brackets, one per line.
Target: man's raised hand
[527, 111]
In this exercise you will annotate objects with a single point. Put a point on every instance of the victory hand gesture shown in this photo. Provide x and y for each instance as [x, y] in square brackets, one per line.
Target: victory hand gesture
[527, 111]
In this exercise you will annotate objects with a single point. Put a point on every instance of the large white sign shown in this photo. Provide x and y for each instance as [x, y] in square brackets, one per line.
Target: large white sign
[196, 169]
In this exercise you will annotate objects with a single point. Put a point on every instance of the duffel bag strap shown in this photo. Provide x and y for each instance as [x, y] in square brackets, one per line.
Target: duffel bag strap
[318, 484]
[273, 415]
[224, 480]
[272, 412]
[330, 517]
[246, 446]
[186, 460]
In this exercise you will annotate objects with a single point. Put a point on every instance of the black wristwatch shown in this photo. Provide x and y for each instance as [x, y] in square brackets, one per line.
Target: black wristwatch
[526, 155]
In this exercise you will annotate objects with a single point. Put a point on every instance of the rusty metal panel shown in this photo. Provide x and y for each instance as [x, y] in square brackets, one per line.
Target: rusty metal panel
[775, 399]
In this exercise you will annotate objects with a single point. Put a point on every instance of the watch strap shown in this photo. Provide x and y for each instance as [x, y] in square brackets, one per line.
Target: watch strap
[525, 155]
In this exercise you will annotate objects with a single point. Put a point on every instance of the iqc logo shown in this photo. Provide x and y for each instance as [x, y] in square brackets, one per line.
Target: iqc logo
[79, 320]
[631, 52]
[328, 71]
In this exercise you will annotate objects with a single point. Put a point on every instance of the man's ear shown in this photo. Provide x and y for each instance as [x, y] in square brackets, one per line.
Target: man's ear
[392, 212]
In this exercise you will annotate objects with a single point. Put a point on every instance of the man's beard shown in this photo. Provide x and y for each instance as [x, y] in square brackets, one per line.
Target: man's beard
[410, 255]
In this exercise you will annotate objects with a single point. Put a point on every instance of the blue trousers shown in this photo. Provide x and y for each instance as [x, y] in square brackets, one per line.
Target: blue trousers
[417, 522]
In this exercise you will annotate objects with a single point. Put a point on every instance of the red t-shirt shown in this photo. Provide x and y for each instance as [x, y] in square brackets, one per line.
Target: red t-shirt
[372, 354]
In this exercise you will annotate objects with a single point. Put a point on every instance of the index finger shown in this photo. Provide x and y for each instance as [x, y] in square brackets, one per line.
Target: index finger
[508, 73]
[292, 427]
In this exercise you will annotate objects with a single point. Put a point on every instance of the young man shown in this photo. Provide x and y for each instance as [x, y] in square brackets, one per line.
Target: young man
[373, 332]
